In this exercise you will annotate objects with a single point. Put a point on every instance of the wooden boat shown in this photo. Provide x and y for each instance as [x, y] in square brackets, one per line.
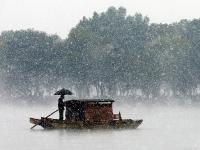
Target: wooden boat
[88, 114]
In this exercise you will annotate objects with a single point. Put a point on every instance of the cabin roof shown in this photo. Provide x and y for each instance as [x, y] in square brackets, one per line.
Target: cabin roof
[91, 100]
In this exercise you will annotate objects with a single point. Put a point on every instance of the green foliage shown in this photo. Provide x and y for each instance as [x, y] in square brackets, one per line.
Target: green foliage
[111, 52]
[27, 56]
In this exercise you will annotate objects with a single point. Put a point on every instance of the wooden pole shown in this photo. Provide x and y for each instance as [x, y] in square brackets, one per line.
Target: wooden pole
[45, 117]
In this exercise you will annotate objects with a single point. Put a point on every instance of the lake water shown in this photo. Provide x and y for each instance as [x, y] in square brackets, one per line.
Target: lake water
[164, 128]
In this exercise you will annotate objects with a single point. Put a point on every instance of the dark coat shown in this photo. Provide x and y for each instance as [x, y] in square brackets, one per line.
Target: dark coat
[60, 104]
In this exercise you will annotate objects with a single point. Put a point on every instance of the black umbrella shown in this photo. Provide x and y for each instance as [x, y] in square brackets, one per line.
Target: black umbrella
[63, 92]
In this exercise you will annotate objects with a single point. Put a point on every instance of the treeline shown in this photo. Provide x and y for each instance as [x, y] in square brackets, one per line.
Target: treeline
[111, 54]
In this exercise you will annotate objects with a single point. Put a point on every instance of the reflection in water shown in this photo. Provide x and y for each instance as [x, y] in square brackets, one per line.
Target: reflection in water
[169, 127]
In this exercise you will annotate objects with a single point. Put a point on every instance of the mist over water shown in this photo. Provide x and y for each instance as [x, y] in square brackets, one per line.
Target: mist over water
[171, 127]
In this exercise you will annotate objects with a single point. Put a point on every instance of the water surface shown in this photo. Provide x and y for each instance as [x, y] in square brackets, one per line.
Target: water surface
[164, 128]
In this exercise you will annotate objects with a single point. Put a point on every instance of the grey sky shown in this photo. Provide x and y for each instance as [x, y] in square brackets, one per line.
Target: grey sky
[59, 16]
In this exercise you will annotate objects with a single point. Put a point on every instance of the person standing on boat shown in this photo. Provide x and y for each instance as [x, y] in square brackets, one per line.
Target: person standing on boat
[61, 106]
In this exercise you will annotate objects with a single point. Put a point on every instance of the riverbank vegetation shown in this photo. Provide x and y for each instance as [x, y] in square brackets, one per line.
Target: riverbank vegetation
[111, 54]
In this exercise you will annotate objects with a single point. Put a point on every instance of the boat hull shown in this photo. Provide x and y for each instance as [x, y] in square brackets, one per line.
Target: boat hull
[49, 123]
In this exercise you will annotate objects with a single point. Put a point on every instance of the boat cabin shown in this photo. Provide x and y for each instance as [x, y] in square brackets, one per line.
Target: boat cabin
[89, 110]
